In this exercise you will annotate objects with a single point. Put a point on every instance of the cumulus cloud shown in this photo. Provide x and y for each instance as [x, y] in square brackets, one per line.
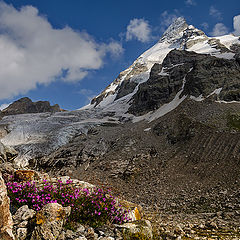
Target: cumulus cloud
[88, 94]
[115, 48]
[236, 25]
[33, 52]
[190, 2]
[205, 25]
[215, 13]
[219, 30]
[138, 29]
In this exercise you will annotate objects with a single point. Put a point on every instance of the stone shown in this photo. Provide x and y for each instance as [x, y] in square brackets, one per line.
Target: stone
[106, 238]
[134, 214]
[22, 224]
[7, 153]
[179, 230]
[142, 226]
[80, 229]
[50, 220]
[91, 234]
[6, 222]
[24, 175]
[81, 238]
[135, 210]
[23, 214]
[21, 233]
[7, 171]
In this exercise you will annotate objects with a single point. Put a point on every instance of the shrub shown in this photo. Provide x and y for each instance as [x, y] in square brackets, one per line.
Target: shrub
[95, 207]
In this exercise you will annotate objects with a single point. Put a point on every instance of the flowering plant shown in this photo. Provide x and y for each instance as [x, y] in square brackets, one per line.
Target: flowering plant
[95, 207]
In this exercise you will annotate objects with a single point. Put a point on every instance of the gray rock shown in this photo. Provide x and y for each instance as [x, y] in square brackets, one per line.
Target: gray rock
[143, 226]
[22, 224]
[80, 229]
[23, 214]
[50, 220]
[7, 153]
[21, 233]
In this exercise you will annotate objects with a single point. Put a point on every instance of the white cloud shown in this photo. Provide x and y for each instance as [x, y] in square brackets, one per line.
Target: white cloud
[205, 25]
[236, 25]
[219, 30]
[215, 13]
[138, 29]
[88, 94]
[33, 52]
[190, 2]
[4, 105]
[115, 49]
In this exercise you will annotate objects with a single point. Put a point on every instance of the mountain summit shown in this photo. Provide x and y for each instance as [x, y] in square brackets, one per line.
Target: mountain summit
[179, 36]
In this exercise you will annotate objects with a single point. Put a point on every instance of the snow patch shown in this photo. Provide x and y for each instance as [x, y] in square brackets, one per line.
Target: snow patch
[198, 99]
[164, 109]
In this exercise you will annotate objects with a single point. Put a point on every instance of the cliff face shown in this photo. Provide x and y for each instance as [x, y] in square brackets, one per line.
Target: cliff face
[197, 76]
[179, 36]
[25, 105]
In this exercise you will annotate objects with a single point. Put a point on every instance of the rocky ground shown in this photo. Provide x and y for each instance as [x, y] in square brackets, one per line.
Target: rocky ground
[183, 169]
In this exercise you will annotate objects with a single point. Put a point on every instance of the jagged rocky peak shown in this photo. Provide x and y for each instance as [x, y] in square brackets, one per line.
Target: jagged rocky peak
[180, 36]
[175, 30]
[25, 105]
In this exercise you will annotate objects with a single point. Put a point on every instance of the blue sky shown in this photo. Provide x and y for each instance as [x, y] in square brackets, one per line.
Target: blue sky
[67, 51]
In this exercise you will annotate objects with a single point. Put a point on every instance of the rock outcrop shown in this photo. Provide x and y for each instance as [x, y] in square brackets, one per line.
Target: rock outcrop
[50, 220]
[197, 75]
[25, 105]
[7, 153]
[6, 222]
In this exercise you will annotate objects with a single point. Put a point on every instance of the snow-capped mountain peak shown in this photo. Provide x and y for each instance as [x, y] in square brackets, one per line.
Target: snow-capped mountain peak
[179, 36]
[175, 30]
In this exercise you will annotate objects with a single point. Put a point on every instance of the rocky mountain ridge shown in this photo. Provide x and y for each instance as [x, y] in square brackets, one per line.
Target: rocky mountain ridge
[25, 105]
[179, 36]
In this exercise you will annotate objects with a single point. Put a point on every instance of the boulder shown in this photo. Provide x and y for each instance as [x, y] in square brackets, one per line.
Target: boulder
[21, 233]
[141, 229]
[6, 222]
[24, 175]
[23, 214]
[7, 153]
[50, 220]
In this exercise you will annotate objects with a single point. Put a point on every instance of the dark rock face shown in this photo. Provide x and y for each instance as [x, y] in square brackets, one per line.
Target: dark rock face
[127, 85]
[125, 88]
[202, 74]
[25, 105]
[235, 48]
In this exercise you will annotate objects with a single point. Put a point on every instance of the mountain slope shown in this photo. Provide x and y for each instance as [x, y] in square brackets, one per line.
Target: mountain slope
[184, 65]
[165, 134]
[180, 36]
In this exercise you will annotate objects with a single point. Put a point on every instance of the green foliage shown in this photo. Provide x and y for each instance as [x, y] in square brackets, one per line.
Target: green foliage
[233, 121]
